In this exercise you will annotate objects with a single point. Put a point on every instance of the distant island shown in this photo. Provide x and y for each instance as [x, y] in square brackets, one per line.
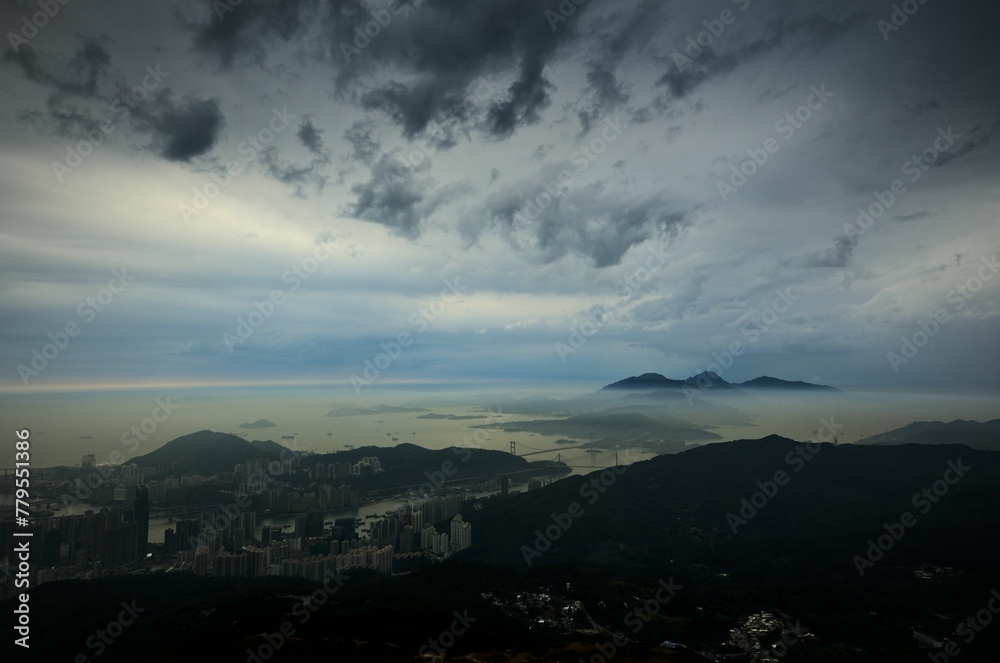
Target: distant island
[260, 423]
[709, 380]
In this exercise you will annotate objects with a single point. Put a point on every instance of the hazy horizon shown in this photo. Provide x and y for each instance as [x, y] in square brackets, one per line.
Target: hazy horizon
[78, 424]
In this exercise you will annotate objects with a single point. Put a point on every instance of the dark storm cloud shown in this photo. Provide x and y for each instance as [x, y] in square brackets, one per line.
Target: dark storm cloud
[364, 146]
[809, 34]
[180, 130]
[393, 196]
[979, 138]
[527, 97]
[312, 138]
[450, 47]
[81, 74]
[296, 176]
[837, 256]
[242, 33]
[443, 48]
[620, 34]
[916, 216]
[589, 221]
[299, 176]
[76, 77]
[682, 81]
[606, 93]
[414, 107]
[61, 117]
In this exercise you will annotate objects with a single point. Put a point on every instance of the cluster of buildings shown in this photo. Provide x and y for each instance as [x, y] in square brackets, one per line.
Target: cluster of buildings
[401, 541]
[93, 543]
[767, 637]
[226, 540]
[546, 610]
[365, 466]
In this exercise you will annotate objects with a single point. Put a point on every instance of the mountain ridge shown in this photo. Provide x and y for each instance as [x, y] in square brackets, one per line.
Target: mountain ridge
[983, 435]
[707, 380]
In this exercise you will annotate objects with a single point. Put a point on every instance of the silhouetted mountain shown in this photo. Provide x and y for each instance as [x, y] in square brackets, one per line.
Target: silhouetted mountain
[767, 382]
[646, 381]
[204, 452]
[662, 522]
[709, 380]
[364, 619]
[701, 382]
[978, 435]
[677, 507]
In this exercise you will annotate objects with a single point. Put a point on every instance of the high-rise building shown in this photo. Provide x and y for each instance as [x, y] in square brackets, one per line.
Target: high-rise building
[427, 537]
[309, 524]
[269, 535]
[89, 461]
[461, 533]
[441, 545]
[406, 539]
[417, 519]
[119, 545]
[347, 526]
[140, 507]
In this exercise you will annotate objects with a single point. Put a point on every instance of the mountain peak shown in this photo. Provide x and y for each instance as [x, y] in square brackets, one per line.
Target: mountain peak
[710, 380]
[204, 452]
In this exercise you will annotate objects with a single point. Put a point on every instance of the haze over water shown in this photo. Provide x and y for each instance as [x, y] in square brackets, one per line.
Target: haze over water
[66, 426]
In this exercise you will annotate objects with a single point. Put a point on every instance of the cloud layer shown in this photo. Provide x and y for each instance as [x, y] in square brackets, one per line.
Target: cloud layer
[659, 172]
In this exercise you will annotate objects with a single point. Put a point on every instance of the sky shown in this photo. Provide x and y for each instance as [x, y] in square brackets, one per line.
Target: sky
[435, 192]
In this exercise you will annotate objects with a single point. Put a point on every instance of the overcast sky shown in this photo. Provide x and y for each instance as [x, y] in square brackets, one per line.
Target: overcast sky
[517, 191]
